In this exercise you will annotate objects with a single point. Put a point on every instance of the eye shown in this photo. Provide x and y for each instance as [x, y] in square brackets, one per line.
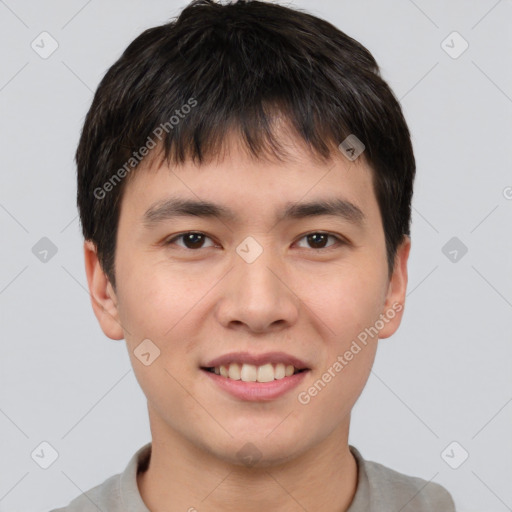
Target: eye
[318, 239]
[195, 240]
[191, 240]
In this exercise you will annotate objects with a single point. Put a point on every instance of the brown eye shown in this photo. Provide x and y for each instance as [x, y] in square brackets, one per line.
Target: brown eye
[318, 240]
[191, 240]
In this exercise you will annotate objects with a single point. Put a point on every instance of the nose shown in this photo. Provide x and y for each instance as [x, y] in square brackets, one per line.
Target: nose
[258, 296]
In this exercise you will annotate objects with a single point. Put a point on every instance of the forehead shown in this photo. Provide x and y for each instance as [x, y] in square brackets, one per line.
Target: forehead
[234, 183]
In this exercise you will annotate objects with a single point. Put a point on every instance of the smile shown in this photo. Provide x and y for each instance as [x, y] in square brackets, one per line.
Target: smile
[252, 373]
[255, 391]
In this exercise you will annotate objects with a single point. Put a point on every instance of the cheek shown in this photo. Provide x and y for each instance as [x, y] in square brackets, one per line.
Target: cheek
[156, 306]
[155, 301]
[351, 304]
[347, 298]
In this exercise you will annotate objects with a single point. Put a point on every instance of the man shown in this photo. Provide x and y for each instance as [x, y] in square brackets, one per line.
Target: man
[245, 180]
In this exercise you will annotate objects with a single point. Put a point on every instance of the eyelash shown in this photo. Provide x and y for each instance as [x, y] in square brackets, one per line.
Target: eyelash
[339, 241]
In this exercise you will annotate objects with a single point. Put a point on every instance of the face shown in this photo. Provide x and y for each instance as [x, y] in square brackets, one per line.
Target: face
[261, 281]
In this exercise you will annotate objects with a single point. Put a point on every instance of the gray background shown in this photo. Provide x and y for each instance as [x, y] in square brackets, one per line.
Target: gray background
[445, 376]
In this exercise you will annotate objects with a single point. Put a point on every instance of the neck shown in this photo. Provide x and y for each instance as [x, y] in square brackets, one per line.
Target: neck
[183, 477]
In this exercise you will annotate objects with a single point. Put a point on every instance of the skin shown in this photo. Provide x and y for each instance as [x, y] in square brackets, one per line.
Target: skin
[197, 304]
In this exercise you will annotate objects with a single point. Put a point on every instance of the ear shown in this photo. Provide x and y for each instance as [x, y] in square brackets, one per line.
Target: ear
[103, 297]
[395, 297]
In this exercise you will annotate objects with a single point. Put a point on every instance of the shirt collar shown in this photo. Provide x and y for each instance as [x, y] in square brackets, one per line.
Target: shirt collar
[131, 499]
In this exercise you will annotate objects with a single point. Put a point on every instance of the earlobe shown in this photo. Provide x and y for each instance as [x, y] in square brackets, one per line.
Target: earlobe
[395, 298]
[103, 297]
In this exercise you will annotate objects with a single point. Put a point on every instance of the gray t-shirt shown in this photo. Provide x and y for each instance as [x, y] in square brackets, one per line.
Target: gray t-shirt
[379, 489]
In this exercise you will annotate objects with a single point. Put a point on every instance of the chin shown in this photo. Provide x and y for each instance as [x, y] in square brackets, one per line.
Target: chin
[261, 449]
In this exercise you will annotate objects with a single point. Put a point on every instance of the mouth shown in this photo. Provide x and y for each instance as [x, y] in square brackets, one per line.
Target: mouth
[246, 372]
[255, 377]
[250, 367]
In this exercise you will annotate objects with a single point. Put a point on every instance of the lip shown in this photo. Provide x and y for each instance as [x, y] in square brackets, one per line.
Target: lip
[256, 391]
[257, 360]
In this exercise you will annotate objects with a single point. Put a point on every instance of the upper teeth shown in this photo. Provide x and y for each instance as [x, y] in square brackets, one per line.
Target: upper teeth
[252, 373]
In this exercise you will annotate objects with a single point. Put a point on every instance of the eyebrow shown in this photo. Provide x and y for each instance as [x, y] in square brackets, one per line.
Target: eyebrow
[174, 207]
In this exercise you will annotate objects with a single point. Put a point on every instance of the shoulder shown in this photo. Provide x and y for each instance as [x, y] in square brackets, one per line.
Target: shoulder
[115, 492]
[104, 496]
[391, 490]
